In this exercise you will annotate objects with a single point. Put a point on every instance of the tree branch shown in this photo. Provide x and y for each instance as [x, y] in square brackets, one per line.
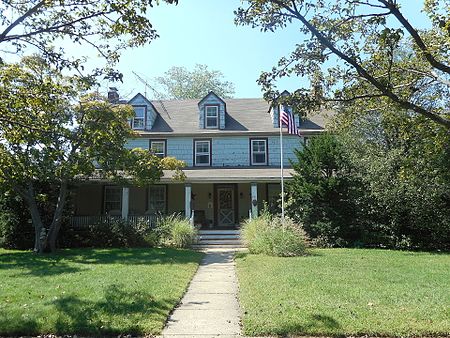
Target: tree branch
[55, 29]
[354, 98]
[415, 35]
[19, 20]
[360, 69]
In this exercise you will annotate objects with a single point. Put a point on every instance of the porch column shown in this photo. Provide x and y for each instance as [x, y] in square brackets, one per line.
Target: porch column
[125, 202]
[254, 199]
[187, 200]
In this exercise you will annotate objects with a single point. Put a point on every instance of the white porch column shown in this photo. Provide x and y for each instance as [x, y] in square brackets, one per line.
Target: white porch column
[125, 202]
[187, 200]
[254, 199]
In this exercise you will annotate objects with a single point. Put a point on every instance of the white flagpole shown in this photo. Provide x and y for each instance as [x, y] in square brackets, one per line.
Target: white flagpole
[281, 163]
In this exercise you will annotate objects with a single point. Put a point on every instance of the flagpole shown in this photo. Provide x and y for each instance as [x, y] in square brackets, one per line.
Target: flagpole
[281, 163]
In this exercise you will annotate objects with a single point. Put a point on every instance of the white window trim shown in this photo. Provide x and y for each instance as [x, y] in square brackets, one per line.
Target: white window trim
[164, 147]
[208, 153]
[112, 187]
[139, 118]
[164, 187]
[252, 151]
[217, 117]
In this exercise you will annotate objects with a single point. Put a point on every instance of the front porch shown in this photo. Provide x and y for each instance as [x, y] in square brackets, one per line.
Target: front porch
[209, 205]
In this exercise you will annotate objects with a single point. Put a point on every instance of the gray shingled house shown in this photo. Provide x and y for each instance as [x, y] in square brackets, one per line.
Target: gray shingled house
[231, 148]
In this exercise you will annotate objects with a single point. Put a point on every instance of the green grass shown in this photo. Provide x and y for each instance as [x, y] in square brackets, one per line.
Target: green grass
[337, 292]
[89, 291]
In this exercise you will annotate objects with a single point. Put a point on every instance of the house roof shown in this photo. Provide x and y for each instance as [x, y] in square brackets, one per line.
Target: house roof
[244, 116]
[227, 175]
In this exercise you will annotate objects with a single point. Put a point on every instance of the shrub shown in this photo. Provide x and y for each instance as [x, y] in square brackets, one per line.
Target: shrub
[175, 231]
[272, 236]
[116, 233]
[16, 232]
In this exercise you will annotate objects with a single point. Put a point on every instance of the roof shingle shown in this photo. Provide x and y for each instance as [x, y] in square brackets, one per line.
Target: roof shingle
[243, 116]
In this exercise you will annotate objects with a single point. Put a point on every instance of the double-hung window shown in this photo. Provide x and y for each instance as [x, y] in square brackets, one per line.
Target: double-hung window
[202, 152]
[158, 147]
[258, 149]
[138, 121]
[157, 199]
[113, 200]
[211, 116]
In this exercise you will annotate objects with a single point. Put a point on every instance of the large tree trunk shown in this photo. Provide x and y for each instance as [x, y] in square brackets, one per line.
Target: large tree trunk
[29, 197]
[53, 232]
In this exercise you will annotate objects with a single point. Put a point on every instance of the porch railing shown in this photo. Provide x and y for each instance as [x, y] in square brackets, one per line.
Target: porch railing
[86, 221]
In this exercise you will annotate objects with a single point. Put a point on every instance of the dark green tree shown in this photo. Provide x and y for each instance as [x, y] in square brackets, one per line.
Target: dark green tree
[323, 195]
[403, 161]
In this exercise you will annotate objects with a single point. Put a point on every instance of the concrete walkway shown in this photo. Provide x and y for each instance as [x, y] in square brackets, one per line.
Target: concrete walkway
[210, 307]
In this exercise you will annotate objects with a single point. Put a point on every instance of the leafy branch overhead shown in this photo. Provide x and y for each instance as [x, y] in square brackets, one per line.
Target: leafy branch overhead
[106, 26]
[359, 50]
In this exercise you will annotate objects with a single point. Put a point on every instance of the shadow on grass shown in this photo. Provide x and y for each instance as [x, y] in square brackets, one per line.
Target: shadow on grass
[134, 256]
[36, 265]
[15, 325]
[315, 324]
[119, 311]
[63, 261]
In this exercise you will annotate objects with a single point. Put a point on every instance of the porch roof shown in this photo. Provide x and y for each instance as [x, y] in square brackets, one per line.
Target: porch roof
[230, 175]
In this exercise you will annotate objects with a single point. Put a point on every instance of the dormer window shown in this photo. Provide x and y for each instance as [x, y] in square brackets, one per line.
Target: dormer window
[138, 121]
[211, 116]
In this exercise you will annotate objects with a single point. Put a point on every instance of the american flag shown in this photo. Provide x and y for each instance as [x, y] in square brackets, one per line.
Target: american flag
[288, 119]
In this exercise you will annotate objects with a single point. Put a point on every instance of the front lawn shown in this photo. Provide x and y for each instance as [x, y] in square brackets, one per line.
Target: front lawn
[92, 292]
[346, 292]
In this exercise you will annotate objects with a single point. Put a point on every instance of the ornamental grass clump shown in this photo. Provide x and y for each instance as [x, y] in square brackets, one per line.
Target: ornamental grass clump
[271, 236]
[175, 231]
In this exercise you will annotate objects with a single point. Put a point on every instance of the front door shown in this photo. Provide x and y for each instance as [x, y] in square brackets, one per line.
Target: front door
[225, 203]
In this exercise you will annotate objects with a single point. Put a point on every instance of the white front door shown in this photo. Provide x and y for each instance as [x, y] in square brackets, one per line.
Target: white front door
[225, 202]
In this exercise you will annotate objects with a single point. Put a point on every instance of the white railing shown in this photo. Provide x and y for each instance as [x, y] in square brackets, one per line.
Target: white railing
[86, 221]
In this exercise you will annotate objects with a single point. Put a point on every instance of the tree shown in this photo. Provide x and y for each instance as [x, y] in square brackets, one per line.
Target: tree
[179, 83]
[51, 133]
[324, 194]
[107, 26]
[403, 161]
[360, 43]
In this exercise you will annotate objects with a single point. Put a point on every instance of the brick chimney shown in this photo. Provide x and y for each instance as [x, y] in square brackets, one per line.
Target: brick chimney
[113, 95]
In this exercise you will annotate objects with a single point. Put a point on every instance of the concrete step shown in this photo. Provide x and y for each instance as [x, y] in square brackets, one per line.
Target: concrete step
[220, 242]
[218, 236]
[219, 232]
[218, 246]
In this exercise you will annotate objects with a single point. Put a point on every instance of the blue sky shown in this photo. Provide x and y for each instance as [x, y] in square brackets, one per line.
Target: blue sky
[203, 31]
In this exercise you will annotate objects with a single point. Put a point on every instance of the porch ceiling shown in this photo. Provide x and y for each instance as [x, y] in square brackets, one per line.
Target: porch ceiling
[235, 175]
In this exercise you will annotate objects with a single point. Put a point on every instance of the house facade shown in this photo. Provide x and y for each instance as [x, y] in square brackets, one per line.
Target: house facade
[231, 148]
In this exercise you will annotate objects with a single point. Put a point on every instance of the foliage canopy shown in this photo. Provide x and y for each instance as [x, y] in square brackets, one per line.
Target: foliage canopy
[52, 131]
[179, 83]
[357, 50]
